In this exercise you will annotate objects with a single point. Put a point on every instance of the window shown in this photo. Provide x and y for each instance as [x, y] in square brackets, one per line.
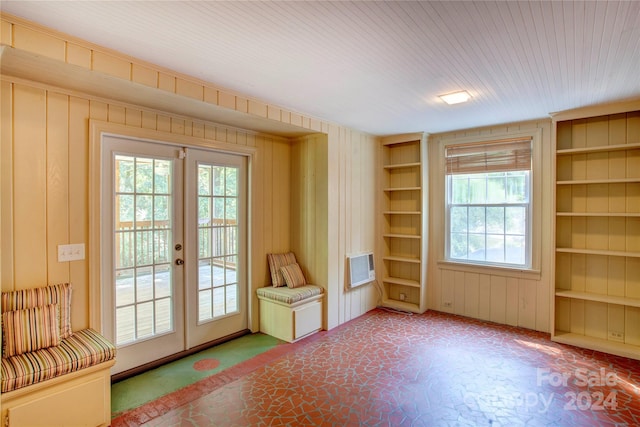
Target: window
[488, 210]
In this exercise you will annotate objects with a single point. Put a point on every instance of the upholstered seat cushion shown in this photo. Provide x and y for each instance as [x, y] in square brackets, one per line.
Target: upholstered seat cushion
[82, 349]
[289, 295]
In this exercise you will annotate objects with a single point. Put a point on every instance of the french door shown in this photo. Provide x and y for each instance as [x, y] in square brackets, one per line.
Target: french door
[174, 247]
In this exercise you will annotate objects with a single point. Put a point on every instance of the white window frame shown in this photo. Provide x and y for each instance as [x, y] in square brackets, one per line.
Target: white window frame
[534, 231]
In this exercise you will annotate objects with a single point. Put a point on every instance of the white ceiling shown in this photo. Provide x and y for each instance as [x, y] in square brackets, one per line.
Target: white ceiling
[378, 66]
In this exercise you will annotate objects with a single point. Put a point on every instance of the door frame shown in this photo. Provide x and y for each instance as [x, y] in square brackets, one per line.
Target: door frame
[97, 129]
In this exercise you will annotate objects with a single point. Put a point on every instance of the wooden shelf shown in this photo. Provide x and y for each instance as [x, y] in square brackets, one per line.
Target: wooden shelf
[578, 316]
[600, 148]
[402, 165]
[608, 299]
[598, 344]
[402, 212]
[599, 252]
[403, 282]
[401, 305]
[600, 214]
[402, 236]
[402, 189]
[599, 181]
[402, 247]
[401, 259]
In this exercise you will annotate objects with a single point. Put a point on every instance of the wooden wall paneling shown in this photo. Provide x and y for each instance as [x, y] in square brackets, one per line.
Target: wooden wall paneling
[6, 184]
[57, 185]
[498, 299]
[30, 187]
[512, 302]
[111, 65]
[595, 319]
[6, 30]
[447, 291]
[577, 314]
[484, 299]
[615, 321]
[632, 320]
[472, 294]
[133, 117]
[79, 111]
[544, 290]
[459, 291]
[527, 303]
[38, 42]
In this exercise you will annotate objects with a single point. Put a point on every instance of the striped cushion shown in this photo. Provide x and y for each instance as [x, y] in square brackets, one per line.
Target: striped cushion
[293, 275]
[30, 329]
[275, 262]
[39, 297]
[290, 295]
[83, 349]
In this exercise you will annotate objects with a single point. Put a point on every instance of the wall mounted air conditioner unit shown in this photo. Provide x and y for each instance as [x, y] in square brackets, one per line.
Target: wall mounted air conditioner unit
[361, 269]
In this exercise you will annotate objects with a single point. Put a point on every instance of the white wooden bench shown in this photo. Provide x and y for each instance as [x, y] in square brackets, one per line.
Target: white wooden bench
[290, 314]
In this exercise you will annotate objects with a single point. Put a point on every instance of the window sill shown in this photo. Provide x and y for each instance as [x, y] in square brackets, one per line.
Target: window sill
[490, 269]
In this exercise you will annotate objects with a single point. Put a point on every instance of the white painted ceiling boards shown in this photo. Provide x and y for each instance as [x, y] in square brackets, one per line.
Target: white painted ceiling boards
[378, 66]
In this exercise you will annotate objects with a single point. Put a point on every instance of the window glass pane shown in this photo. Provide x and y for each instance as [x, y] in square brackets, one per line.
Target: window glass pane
[458, 245]
[204, 242]
[477, 219]
[516, 187]
[232, 240]
[162, 246]
[516, 220]
[218, 210]
[161, 211]
[232, 298]
[217, 241]
[125, 324]
[218, 302]
[144, 175]
[516, 249]
[477, 247]
[495, 189]
[144, 247]
[495, 220]
[218, 271]
[231, 210]
[162, 281]
[230, 269]
[204, 305]
[124, 174]
[144, 284]
[162, 178]
[231, 182]
[204, 274]
[144, 211]
[124, 209]
[204, 180]
[478, 189]
[460, 189]
[163, 316]
[124, 287]
[204, 210]
[495, 248]
[125, 244]
[218, 180]
[459, 219]
[144, 317]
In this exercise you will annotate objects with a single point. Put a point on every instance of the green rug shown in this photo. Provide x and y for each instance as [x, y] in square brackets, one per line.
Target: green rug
[151, 385]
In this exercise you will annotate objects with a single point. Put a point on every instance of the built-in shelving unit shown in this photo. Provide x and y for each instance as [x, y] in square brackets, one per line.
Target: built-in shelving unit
[403, 222]
[596, 302]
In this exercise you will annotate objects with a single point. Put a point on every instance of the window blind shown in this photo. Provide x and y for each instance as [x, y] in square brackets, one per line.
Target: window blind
[492, 156]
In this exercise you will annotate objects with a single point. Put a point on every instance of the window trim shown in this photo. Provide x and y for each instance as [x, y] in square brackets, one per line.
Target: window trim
[535, 223]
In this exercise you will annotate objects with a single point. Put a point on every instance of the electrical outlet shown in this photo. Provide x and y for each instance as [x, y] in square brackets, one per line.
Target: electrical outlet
[403, 297]
[447, 304]
[616, 336]
[70, 252]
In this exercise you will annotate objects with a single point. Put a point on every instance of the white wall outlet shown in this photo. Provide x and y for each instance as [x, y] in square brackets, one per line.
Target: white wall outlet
[616, 336]
[72, 252]
[403, 297]
[447, 304]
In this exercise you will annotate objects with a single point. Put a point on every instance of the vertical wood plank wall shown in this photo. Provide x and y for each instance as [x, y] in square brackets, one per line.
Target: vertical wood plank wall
[44, 174]
[497, 297]
[45, 177]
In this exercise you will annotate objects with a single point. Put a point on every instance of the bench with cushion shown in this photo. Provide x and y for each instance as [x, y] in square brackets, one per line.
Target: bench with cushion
[51, 375]
[290, 309]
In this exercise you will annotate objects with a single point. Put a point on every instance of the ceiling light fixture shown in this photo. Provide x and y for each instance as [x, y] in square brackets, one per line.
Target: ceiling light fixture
[455, 97]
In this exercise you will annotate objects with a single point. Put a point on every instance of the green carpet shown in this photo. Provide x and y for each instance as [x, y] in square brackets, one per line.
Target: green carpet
[143, 388]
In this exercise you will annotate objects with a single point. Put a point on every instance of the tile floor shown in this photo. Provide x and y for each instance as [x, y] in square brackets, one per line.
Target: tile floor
[390, 369]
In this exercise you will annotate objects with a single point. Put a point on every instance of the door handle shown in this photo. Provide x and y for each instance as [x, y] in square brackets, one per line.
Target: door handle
[179, 261]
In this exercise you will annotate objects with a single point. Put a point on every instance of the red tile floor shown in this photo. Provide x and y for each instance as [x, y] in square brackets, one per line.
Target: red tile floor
[390, 369]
